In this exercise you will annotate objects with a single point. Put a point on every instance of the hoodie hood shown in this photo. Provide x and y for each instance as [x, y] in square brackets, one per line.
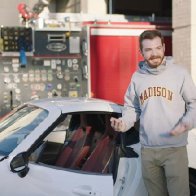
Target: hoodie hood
[146, 69]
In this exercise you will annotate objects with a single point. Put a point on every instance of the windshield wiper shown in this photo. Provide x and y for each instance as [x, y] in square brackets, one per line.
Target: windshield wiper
[5, 157]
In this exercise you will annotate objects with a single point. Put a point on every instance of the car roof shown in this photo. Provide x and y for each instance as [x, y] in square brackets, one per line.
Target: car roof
[70, 104]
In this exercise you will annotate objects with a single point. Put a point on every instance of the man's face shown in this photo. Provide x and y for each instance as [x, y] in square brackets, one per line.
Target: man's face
[153, 51]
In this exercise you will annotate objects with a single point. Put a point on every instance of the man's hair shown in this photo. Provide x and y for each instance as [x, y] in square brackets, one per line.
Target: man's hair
[150, 34]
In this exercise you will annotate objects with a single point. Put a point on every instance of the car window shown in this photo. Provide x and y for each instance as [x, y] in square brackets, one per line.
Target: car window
[48, 149]
[59, 132]
[86, 137]
[18, 125]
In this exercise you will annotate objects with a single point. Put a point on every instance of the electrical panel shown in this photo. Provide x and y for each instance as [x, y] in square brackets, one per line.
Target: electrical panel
[56, 43]
[53, 67]
[16, 38]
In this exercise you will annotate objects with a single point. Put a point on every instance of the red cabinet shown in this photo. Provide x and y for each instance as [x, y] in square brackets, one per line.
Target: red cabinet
[113, 56]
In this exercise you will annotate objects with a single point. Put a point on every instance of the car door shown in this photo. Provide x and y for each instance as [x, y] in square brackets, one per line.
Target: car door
[42, 180]
[45, 178]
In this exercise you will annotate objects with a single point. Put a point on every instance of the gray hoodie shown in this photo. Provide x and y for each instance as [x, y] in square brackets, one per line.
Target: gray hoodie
[161, 98]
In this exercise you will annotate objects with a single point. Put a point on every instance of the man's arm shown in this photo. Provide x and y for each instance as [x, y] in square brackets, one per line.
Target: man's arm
[188, 121]
[131, 111]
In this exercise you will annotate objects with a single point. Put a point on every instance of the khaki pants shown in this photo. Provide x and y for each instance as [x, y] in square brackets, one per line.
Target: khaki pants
[165, 171]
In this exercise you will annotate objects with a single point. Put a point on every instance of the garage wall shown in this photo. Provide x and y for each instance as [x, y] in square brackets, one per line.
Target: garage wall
[184, 35]
[9, 13]
[182, 32]
[93, 6]
[193, 39]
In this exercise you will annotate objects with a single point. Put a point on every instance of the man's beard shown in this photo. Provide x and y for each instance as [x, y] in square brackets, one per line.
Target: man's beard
[156, 63]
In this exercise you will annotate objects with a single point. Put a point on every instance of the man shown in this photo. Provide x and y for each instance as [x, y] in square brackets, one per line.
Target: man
[163, 96]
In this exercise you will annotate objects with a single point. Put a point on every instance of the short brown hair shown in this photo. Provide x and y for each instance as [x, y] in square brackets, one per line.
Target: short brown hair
[150, 34]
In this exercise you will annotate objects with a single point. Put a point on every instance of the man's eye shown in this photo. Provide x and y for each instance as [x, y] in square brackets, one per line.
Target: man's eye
[147, 50]
[159, 48]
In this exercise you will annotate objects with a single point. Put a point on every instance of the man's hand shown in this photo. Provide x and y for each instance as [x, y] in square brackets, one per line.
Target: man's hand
[179, 129]
[118, 124]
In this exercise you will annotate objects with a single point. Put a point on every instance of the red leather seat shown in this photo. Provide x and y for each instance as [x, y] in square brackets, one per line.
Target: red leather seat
[85, 143]
[71, 155]
[99, 159]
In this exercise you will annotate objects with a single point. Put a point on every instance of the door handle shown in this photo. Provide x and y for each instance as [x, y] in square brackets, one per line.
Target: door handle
[85, 190]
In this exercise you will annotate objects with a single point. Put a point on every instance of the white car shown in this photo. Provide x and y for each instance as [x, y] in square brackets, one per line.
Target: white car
[66, 146]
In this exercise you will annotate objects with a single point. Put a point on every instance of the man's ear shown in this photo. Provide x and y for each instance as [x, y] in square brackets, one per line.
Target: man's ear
[140, 51]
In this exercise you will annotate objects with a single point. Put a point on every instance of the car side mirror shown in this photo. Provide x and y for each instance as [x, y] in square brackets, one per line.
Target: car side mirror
[19, 164]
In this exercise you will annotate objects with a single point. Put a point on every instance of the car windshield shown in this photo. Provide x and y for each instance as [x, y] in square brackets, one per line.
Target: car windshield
[17, 126]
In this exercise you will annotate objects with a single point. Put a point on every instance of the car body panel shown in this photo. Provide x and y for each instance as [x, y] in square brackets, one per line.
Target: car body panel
[129, 178]
[50, 180]
[191, 148]
[43, 179]
[68, 105]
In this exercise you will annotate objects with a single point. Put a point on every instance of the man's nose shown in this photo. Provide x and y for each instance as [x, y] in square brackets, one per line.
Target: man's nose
[154, 52]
